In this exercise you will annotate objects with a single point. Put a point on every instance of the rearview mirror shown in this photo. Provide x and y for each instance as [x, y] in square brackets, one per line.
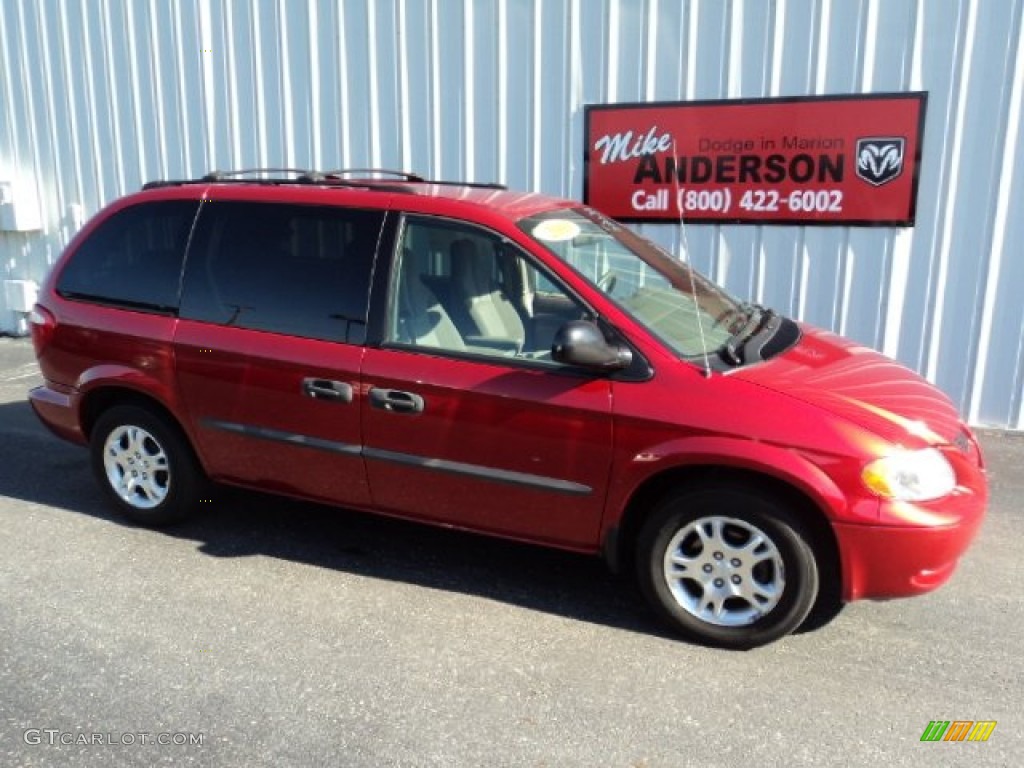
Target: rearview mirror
[582, 344]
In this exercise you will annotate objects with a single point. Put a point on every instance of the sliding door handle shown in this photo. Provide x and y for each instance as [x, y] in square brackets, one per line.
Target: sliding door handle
[325, 389]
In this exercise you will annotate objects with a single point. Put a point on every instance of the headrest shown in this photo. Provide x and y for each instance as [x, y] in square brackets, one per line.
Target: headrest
[472, 272]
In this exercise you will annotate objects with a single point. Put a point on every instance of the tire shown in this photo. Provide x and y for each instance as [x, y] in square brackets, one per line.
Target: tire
[694, 571]
[165, 486]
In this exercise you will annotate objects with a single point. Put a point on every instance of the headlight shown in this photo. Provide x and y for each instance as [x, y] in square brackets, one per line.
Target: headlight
[911, 476]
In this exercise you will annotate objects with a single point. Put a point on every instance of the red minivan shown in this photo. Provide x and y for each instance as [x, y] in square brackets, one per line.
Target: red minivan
[506, 363]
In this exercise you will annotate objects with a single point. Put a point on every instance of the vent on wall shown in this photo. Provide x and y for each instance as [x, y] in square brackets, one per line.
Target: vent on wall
[20, 295]
[19, 207]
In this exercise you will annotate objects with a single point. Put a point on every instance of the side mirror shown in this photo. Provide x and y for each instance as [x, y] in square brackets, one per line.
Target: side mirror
[582, 344]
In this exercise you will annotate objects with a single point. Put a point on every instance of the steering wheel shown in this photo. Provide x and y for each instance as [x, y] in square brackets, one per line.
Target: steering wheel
[606, 282]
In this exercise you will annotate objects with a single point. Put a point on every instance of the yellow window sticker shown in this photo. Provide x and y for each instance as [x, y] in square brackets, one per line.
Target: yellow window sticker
[556, 230]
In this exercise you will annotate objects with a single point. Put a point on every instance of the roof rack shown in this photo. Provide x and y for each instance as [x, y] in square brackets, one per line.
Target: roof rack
[414, 177]
[301, 175]
[380, 171]
[305, 176]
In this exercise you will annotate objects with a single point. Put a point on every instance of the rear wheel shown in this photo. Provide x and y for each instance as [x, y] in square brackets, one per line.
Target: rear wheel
[728, 567]
[144, 465]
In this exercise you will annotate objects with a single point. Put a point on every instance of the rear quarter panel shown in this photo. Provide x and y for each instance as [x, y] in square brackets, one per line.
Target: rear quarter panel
[95, 346]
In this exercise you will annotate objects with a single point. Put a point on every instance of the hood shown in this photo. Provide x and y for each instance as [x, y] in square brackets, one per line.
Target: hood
[861, 385]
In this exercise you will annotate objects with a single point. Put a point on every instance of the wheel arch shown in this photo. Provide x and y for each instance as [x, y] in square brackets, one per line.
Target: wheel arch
[100, 399]
[620, 542]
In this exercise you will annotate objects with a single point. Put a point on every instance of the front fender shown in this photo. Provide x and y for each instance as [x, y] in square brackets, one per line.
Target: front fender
[632, 472]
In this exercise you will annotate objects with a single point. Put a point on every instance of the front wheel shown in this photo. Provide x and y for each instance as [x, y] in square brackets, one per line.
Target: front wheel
[727, 567]
[144, 465]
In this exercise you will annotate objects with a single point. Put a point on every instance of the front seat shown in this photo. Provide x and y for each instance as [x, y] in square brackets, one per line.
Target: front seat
[476, 288]
[421, 319]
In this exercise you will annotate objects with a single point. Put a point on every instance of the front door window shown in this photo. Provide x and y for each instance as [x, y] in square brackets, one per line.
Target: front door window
[465, 290]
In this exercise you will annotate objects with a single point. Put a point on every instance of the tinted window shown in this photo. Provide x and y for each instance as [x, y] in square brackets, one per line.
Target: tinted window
[134, 258]
[298, 270]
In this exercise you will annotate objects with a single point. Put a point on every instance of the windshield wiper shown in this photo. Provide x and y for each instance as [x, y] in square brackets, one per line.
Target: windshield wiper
[757, 314]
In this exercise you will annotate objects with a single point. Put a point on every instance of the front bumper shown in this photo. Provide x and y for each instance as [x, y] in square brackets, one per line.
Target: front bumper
[886, 561]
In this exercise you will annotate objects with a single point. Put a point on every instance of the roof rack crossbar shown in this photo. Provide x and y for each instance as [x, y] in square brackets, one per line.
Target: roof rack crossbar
[160, 183]
[408, 176]
[302, 173]
[414, 177]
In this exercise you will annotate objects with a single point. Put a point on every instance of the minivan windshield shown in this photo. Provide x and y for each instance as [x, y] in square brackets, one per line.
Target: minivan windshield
[686, 311]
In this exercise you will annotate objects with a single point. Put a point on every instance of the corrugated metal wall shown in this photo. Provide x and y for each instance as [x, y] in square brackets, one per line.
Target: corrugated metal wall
[97, 97]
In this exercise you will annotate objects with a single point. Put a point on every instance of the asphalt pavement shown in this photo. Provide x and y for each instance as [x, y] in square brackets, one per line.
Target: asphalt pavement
[275, 633]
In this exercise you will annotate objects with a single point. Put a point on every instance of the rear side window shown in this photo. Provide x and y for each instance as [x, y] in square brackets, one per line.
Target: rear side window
[134, 258]
[291, 269]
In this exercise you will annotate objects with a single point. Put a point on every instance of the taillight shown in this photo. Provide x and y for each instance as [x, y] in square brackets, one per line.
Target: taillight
[43, 324]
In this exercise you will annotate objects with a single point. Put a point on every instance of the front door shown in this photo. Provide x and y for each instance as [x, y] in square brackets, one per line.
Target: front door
[467, 420]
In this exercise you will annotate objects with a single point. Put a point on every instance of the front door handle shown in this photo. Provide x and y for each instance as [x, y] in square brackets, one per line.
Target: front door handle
[325, 389]
[396, 401]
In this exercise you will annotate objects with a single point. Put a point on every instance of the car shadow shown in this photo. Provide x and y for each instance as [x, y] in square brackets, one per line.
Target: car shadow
[39, 468]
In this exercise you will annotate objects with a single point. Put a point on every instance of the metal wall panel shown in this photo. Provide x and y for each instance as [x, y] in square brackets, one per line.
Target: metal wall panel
[98, 96]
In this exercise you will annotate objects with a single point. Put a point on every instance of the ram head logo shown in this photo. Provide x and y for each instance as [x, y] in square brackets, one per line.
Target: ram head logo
[880, 159]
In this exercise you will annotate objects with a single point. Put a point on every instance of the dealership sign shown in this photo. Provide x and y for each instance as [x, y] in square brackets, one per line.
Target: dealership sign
[813, 160]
